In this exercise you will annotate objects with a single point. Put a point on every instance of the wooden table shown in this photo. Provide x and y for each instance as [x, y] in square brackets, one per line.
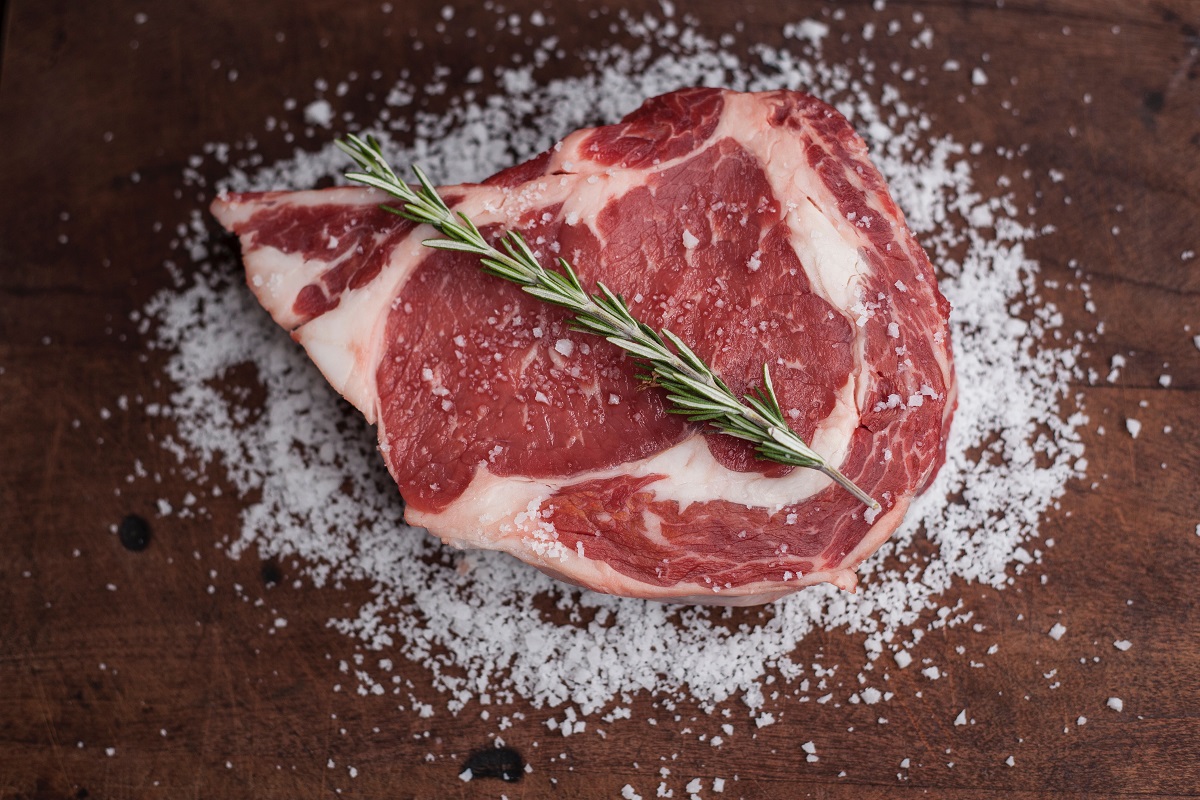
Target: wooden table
[145, 674]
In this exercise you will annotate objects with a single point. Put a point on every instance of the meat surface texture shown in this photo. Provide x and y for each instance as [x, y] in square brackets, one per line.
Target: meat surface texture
[755, 227]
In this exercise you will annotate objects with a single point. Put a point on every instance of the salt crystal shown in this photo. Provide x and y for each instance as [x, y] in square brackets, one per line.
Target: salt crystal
[961, 719]
[319, 112]
[628, 793]
[1125, 644]
[565, 346]
[1010, 761]
[689, 239]
[978, 77]
[718, 785]
[1057, 631]
[1133, 426]
[465, 776]
[810, 30]
[1114, 367]
[903, 658]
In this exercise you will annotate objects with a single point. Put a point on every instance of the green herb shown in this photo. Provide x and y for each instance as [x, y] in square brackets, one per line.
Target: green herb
[692, 388]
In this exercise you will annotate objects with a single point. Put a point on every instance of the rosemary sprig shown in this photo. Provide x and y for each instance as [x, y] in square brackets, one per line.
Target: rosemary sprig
[694, 390]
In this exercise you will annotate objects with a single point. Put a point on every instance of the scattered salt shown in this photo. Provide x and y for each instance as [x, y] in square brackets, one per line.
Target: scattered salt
[1011, 384]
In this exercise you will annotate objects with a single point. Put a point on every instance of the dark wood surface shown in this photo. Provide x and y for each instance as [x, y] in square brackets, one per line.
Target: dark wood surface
[197, 697]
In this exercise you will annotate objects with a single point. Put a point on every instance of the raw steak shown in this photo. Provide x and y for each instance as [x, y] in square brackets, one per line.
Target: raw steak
[753, 226]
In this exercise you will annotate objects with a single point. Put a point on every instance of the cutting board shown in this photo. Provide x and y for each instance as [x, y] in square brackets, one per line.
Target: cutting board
[162, 672]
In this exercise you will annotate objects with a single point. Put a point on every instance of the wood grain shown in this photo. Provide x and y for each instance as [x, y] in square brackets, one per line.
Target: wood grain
[157, 656]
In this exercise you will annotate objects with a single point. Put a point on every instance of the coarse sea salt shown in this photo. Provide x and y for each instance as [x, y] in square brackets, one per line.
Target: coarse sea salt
[313, 488]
